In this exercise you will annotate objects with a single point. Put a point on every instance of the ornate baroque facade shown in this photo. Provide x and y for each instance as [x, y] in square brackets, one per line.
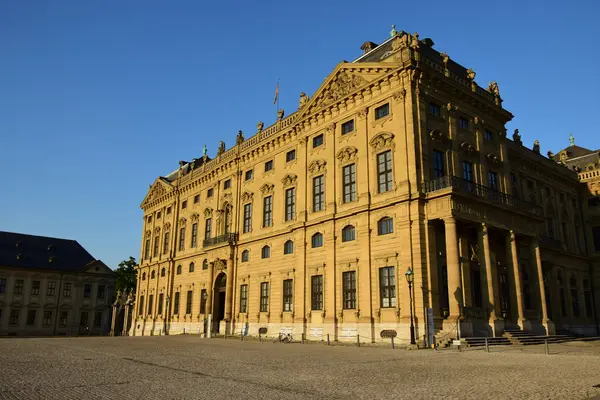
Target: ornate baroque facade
[400, 159]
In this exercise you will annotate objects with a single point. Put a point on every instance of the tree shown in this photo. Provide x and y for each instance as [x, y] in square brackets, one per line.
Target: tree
[126, 275]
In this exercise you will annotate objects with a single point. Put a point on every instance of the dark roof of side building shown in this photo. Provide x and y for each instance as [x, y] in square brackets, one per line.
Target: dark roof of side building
[18, 250]
[579, 157]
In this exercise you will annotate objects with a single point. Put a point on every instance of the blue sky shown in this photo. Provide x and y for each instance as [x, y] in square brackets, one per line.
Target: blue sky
[99, 97]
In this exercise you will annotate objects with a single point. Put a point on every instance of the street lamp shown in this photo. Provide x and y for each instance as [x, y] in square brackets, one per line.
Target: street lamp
[409, 278]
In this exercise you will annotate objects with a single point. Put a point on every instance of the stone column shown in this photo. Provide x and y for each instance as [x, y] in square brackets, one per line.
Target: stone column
[535, 248]
[453, 266]
[209, 299]
[492, 294]
[125, 322]
[113, 322]
[513, 259]
[466, 271]
[229, 293]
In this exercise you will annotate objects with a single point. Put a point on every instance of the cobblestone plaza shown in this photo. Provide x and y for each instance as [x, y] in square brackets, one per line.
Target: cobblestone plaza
[189, 367]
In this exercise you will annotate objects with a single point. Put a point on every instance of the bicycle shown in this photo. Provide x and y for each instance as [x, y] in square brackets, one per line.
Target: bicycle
[283, 338]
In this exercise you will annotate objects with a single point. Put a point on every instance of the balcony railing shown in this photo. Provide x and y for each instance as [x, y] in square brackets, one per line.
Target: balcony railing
[226, 238]
[485, 192]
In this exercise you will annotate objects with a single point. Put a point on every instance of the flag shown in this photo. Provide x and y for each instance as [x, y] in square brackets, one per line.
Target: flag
[276, 92]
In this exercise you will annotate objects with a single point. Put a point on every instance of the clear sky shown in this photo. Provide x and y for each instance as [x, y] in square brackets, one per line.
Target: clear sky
[100, 97]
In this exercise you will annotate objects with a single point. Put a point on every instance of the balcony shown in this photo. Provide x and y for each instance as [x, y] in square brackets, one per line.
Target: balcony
[230, 238]
[484, 192]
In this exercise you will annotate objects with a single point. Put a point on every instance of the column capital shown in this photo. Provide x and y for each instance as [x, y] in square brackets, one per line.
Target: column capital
[512, 234]
[449, 220]
[484, 228]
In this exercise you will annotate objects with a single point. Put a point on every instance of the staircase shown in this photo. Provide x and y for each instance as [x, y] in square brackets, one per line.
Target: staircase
[522, 338]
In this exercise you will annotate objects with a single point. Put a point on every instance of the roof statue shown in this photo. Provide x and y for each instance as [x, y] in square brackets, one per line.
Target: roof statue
[221, 149]
[240, 137]
[260, 126]
[536, 147]
[393, 31]
[471, 74]
[303, 100]
[571, 139]
[551, 154]
[280, 113]
[517, 137]
[414, 43]
[204, 151]
[493, 88]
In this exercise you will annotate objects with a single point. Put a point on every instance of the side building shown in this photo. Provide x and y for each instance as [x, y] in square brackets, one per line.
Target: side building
[51, 286]
[399, 166]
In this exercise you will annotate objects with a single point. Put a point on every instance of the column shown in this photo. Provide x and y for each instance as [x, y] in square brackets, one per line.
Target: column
[453, 266]
[513, 258]
[466, 271]
[535, 248]
[229, 291]
[492, 295]
[210, 289]
[113, 321]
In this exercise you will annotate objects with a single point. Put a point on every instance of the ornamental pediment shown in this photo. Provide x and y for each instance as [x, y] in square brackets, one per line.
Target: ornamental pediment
[158, 189]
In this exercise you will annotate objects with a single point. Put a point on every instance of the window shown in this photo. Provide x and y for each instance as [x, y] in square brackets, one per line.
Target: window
[348, 233]
[268, 211]
[349, 289]
[207, 228]
[87, 290]
[14, 317]
[147, 249]
[318, 193]
[288, 247]
[31, 317]
[101, 291]
[144, 276]
[209, 193]
[178, 271]
[316, 292]
[188, 302]
[203, 300]
[184, 204]
[268, 165]
[194, 234]
[2, 285]
[47, 318]
[347, 127]
[196, 199]
[264, 296]
[182, 238]
[51, 289]
[247, 217]
[249, 174]
[384, 171]
[162, 272]
[290, 204]
[596, 236]
[387, 287]
[493, 180]
[156, 243]
[317, 141]
[141, 306]
[168, 210]
[435, 109]
[191, 267]
[385, 226]
[158, 215]
[35, 288]
[514, 185]
[98, 319]
[150, 303]
[317, 240]
[243, 298]
[290, 156]
[84, 318]
[166, 243]
[288, 295]
[67, 289]
[245, 256]
[265, 252]
[488, 135]
[159, 309]
[463, 123]
[149, 218]
[63, 319]
[205, 264]
[349, 173]
[382, 111]
[153, 275]
[176, 304]
[439, 164]
[227, 184]
[467, 171]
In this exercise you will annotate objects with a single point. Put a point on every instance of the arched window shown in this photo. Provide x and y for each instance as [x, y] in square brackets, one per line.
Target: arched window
[266, 252]
[144, 276]
[179, 269]
[288, 247]
[153, 275]
[385, 226]
[348, 233]
[191, 267]
[317, 240]
[205, 264]
[162, 272]
[245, 256]
[574, 296]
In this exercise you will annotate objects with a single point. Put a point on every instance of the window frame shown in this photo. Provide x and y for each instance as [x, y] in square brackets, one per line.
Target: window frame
[290, 156]
[387, 287]
[389, 226]
[288, 295]
[264, 297]
[288, 247]
[318, 193]
[382, 111]
[385, 172]
[265, 252]
[182, 238]
[348, 233]
[316, 240]
[349, 290]
[247, 227]
[245, 256]
[316, 292]
[194, 243]
[345, 125]
[290, 204]
[318, 141]
[439, 164]
[269, 165]
[267, 211]
[244, 298]
[249, 175]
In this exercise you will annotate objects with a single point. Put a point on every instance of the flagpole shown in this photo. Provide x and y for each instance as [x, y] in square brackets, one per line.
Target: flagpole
[277, 94]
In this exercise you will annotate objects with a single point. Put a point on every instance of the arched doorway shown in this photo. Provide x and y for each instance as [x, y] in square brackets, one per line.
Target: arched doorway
[219, 301]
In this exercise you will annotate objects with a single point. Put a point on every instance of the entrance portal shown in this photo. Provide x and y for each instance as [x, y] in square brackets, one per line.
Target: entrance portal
[219, 301]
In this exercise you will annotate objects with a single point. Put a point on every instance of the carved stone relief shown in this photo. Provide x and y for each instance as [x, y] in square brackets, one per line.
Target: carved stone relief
[267, 188]
[289, 179]
[382, 140]
[347, 154]
[317, 166]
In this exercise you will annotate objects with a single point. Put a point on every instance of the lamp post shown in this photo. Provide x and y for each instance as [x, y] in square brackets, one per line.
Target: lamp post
[409, 278]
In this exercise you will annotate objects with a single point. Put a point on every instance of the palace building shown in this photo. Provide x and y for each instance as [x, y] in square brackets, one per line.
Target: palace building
[399, 162]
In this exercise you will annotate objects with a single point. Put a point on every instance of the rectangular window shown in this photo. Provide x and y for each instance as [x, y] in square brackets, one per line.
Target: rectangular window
[488, 135]
[287, 295]
[147, 249]
[63, 319]
[290, 156]
[150, 304]
[166, 243]
[290, 204]
[227, 184]
[156, 243]
[87, 290]
[19, 286]
[209, 193]
[317, 141]
[207, 228]
[2, 285]
[264, 296]
[316, 292]
[182, 238]
[51, 289]
[188, 302]
[47, 318]
[101, 291]
[83, 318]
[384, 171]
[195, 234]
[149, 218]
[463, 123]
[14, 317]
[184, 204]
[439, 164]
[249, 175]
[382, 111]
[319, 193]
[387, 287]
[349, 289]
[141, 306]
[268, 165]
[31, 317]
[168, 210]
[67, 289]
[348, 127]
[247, 217]
[435, 109]
[385, 226]
[176, 304]
[161, 298]
[196, 199]
[158, 215]
[35, 288]
[268, 211]
[203, 299]
[98, 319]
[349, 173]
[493, 180]
[467, 171]
[243, 298]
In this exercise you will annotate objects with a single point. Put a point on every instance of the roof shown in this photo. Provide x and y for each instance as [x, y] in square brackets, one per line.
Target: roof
[577, 151]
[18, 250]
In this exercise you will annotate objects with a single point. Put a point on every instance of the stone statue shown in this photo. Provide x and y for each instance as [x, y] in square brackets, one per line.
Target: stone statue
[517, 137]
[571, 139]
[493, 88]
[260, 126]
[204, 152]
[414, 43]
[445, 59]
[303, 100]
[221, 149]
[280, 113]
[536, 147]
[240, 138]
[550, 155]
[471, 74]
[393, 31]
